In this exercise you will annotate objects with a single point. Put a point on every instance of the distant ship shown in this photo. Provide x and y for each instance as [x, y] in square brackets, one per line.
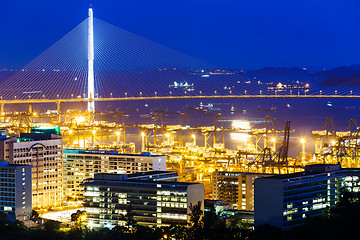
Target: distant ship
[184, 85]
[288, 87]
[272, 109]
[145, 116]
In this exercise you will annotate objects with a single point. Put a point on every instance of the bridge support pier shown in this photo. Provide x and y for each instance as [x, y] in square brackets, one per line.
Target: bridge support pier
[30, 108]
[58, 109]
[2, 112]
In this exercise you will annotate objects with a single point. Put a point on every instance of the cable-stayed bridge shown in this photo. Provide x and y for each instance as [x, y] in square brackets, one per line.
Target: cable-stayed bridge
[97, 61]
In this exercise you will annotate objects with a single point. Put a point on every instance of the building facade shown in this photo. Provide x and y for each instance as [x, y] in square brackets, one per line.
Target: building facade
[15, 191]
[83, 164]
[236, 188]
[287, 200]
[155, 200]
[44, 152]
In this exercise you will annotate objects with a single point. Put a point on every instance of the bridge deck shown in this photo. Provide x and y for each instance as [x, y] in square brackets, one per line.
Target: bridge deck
[74, 100]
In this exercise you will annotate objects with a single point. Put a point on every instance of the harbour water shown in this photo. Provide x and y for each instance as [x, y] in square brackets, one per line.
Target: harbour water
[305, 115]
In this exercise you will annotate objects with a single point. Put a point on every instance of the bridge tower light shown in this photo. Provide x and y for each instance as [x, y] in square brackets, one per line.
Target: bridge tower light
[91, 85]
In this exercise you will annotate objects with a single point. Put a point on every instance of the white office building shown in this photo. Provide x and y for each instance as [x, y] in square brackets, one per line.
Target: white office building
[44, 152]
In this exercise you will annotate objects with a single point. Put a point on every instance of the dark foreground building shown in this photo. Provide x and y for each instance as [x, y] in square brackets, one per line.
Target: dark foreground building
[287, 200]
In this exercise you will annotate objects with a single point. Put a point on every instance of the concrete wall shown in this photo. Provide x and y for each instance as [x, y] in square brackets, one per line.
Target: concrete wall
[159, 163]
[268, 197]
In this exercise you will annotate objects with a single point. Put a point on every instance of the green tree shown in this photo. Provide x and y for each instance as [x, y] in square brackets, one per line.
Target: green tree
[51, 226]
[34, 214]
[129, 217]
[78, 219]
[195, 214]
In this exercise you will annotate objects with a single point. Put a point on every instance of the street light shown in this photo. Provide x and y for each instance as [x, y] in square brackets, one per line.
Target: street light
[194, 139]
[302, 140]
[93, 135]
[117, 140]
[70, 133]
[143, 142]
[273, 140]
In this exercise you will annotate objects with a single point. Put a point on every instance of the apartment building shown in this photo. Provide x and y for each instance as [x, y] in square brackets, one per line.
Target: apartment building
[236, 188]
[82, 164]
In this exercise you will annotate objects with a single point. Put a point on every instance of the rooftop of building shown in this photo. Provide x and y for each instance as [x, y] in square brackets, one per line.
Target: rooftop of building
[29, 137]
[315, 170]
[25, 137]
[5, 164]
[108, 152]
[151, 174]
[241, 173]
[36, 134]
[145, 178]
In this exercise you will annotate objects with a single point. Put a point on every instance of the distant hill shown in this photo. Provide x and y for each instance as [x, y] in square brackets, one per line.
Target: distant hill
[280, 71]
[343, 71]
[353, 80]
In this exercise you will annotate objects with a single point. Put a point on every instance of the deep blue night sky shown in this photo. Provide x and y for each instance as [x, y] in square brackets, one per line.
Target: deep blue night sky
[227, 33]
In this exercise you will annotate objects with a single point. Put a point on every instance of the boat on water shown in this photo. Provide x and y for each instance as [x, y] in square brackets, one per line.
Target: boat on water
[272, 109]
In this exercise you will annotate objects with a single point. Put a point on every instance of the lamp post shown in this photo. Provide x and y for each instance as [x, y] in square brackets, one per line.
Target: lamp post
[117, 140]
[194, 139]
[273, 140]
[70, 138]
[167, 135]
[142, 142]
[93, 136]
[302, 140]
